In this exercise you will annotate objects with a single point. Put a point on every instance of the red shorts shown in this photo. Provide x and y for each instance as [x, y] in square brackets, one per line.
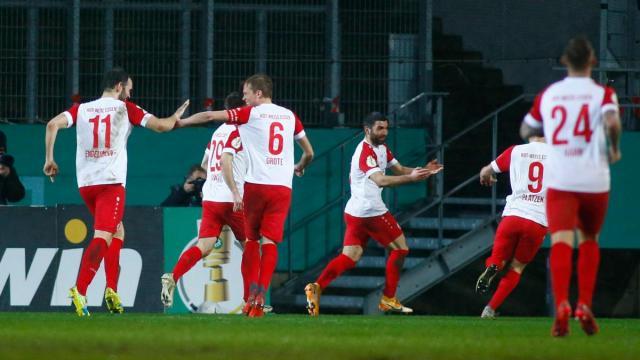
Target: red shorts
[517, 238]
[568, 210]
[217, 214]
[106, 205]
[382, 228]
[265, 211]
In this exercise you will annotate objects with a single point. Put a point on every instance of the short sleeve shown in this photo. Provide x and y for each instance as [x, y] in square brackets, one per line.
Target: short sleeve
[298, 132]
[72, 114]
[534, 116]
[239, 116]
[368, 162]
[503, 161]
[137, 115]
[610, 100]
[391, 160]
[233, 145]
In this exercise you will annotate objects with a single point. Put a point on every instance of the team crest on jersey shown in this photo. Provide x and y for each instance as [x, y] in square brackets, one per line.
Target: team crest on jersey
[371, 162]
[236, 143]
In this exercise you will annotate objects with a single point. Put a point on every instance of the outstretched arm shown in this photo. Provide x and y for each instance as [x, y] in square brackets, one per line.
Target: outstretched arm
[306, 158]
[433, 166]
[169, 123]
[50, 167]
[417, 174]
[202, 118]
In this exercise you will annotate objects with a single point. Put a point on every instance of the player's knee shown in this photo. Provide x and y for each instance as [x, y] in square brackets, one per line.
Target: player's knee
[107, 236]
[564, 236]
[119, 234]
[517, 266]
[206, 245]
[353, 252]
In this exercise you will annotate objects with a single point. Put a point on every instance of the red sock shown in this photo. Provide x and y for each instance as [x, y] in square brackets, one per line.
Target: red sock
[560, 262]
[90, 263]
[395, 261]
[588, 262]
[250, 266]
[186, 262]
[112, 263]
[268, 262]
[508, 282]
[336, 267]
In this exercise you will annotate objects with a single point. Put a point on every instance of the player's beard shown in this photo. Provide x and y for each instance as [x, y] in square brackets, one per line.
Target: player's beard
[378, 140]
[122, 96]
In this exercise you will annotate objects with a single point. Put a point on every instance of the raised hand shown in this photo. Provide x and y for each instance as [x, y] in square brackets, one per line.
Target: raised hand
[434, 167]
[181, 110]
[487, 176]
[419, 174]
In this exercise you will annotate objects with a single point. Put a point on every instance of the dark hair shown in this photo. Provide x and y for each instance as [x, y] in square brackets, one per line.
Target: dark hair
[261, 82]
[578, 52]
[371, 119]
[194, 168]
[114, 77]
[233, 100]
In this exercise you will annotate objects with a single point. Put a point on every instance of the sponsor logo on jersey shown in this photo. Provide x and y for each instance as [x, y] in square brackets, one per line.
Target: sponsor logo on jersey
[371, 162]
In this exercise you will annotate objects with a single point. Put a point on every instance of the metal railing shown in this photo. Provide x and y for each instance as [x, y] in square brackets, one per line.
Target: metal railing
[441, 198]
[434, 104]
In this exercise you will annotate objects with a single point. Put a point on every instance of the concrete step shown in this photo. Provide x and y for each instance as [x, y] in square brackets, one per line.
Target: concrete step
[432, 223]
[380, 262]
[357, 282]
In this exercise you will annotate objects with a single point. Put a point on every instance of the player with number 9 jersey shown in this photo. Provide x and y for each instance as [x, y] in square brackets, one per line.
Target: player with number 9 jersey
[524, 221]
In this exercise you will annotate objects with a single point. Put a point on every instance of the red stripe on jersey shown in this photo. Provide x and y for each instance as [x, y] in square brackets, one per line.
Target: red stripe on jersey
[73, 110]
[368, 158]
[535, 109]
[135, 113]
[609, 96]
[239, 115]
[504, 160]
[298, 128]
[389, 154]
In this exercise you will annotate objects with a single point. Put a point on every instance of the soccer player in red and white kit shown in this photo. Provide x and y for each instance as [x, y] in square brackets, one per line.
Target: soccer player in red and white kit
[218, 200]
[367, 216]
[524, 222]
[103, 127]
[581, 122]
[267, 132]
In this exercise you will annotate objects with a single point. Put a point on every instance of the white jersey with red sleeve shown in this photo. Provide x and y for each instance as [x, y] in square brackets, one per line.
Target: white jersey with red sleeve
[366, 195]
[526, 165]
[267, 132]
[571, 113]
[103, 127]
[225, 139]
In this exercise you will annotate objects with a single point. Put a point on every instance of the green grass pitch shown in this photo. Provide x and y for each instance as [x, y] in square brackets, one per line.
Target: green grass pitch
[156, 336]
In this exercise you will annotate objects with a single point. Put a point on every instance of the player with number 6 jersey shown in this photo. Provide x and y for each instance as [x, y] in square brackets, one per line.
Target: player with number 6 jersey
[524, 223]
[268, 132]
[103, 127]
[581, 123]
